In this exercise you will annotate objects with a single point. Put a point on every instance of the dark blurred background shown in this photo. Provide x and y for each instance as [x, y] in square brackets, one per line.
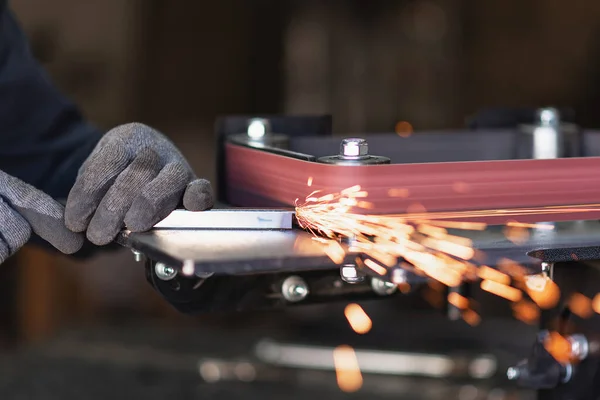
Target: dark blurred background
[177, 65]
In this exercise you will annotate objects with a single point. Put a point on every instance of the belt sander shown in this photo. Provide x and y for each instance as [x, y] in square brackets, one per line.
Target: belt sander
[253, 250]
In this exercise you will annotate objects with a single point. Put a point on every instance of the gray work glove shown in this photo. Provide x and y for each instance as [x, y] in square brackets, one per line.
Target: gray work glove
[134, 178]
[25, 209]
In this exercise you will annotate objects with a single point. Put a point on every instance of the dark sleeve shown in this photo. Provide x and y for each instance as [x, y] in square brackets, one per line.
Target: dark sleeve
[43, 137]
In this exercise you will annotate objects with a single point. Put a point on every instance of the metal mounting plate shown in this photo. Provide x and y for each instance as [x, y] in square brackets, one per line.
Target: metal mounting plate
[251, 251]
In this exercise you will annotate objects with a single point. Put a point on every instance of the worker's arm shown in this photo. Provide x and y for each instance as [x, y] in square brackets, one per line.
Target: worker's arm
[43, 137]
[130, 177]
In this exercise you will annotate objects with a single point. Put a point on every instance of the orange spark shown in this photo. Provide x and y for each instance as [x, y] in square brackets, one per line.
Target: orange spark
[365, 204]
[460, 187]
[581, 305]
[596, 303]
[350, 190]
[507, 292]
[490, 274]
[403, 193]
[358, 319]
[526, 225]
[458, 300]
[526, 312]
[416, 208]
[516, 234]
[347, 370]
[542, 290]
[404, 129]
[471, 317]
[559, 347]
[335, 252]
[375, 267]
[420, 241]
[310, 181]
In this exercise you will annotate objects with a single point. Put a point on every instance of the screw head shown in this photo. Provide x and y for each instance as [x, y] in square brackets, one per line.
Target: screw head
[294, 289]
[580, 346]
[137, 256]
[354, 148]
[383, 288]
[512, 373]
[164, 272]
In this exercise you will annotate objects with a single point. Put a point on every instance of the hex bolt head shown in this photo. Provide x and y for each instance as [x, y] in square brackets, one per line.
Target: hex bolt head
[164, 272]
[354, 148]
[258, 128]
[548, 116]
[350, 274]
[294, 289]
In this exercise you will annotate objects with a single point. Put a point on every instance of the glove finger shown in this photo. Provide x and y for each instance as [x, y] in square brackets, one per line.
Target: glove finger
[158, 198]
[97, 176]
[15, 231]
[198, 196]
[109, 217]
[44, 215]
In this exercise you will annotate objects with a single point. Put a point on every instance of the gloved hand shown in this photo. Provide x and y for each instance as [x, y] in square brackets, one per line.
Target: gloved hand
[24, 209]
[134, 178]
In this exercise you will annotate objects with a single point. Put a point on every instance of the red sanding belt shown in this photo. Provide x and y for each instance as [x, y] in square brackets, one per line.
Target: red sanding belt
[260, 179]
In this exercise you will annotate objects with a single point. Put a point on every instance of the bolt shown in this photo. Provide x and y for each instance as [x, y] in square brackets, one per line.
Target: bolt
[579, 346]
[137, 256]
[548, 270]
[350, 274]
[512, 373]
[383, 288]
[354, 148]
[294, 289]
[164, 272]
[548, 116]
[258, 128]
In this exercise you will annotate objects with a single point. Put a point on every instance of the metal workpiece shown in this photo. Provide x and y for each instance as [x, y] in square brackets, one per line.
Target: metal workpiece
[549, 137]
[236, 218]
[354, 151]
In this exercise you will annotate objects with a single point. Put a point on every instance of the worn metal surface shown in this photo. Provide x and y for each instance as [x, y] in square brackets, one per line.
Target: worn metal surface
[246, 251]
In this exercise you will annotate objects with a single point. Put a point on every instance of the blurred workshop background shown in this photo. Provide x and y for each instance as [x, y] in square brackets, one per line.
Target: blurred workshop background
[96, 329]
